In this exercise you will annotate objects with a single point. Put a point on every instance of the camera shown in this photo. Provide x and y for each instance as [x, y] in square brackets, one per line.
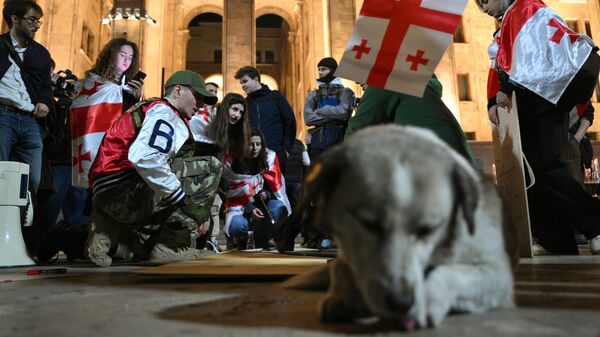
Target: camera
[64, 87]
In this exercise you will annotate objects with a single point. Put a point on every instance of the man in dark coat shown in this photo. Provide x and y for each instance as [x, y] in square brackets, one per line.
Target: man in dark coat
[270, 112]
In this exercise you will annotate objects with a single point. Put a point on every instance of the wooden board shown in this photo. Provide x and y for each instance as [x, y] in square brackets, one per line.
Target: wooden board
[510, 174]
[239, 264]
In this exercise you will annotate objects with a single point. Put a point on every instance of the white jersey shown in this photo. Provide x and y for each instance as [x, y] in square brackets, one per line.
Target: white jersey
[162, 134]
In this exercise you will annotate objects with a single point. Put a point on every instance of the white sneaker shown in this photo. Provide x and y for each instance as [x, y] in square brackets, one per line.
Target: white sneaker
[595, 245]
[99, 242]
[162, 253]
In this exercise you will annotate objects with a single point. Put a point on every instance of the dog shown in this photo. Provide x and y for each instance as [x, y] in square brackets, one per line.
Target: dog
[419, 233]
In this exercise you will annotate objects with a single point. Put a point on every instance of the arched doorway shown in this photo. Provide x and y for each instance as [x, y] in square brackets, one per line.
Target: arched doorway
[204, 50]
[272, 51]
[269, 81]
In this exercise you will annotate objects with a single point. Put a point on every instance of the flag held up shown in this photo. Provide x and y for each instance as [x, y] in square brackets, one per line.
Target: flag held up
[397, 44]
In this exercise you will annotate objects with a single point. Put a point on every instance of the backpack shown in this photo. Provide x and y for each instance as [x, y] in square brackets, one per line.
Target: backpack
[138, 111]
[328, 95]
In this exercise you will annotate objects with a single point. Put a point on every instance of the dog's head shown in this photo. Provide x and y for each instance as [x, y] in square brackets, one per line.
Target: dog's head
[394, 198]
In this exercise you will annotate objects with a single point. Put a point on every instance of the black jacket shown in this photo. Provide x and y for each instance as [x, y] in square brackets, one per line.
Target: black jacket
[37, 63]
[271, 113]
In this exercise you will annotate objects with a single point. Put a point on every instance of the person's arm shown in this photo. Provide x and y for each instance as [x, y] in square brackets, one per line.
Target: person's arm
[150, 151]
[310, 115]
[504, 95]
[289, 123]
[341, 111]
[305, 156]
[585, 122]
[376, 107]
[45, 98]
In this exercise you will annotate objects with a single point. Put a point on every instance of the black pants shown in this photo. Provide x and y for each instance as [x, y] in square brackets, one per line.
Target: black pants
[557, 203]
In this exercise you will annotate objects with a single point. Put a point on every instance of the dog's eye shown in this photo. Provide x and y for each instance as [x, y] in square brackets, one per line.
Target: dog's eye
[423, 232]
[372, 226]
[370, 223]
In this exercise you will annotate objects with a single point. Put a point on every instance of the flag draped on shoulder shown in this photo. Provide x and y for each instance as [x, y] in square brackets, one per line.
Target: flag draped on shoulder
[493, 84]
[93, 111]
[397, 44]
[538, 50]
[243, 187]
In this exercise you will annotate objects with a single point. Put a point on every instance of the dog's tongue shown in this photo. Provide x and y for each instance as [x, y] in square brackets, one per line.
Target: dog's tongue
[408, 324]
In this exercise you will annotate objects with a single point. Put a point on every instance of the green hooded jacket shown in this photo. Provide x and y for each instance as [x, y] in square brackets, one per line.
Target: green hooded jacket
[380, 106]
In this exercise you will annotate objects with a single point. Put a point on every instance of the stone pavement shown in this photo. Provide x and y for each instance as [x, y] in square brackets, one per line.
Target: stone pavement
[557, 296]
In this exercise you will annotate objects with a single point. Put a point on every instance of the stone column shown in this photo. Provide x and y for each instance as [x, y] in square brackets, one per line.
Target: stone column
[180, 52]
[152, 54]
[239, 35]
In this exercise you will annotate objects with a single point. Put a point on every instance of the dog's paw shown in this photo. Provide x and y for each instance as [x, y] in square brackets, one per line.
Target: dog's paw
[439, 302]
[436, 311]
[336, 309]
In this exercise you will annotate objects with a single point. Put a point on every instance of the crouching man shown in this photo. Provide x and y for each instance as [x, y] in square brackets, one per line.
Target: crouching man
[131, 171]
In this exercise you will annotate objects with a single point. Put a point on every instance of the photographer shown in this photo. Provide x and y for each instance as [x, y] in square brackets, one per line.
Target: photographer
[64, 197]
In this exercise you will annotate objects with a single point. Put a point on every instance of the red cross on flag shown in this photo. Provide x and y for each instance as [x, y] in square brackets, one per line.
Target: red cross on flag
[93, 111]
[538, 50]
[397, 44]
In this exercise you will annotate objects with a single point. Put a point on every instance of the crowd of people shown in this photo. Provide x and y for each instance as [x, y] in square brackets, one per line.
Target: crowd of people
[151, 178]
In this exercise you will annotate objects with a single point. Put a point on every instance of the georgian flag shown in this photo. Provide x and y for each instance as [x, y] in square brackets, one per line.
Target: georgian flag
[243, 187]
[538, 50]
[397, 44]
[93, 111]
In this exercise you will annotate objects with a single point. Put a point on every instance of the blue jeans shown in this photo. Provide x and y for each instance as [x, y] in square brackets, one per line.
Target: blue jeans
[20, 135]
[69, 198]
[264, 230]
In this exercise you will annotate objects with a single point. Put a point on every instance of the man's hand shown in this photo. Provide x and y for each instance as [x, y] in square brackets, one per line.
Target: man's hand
[54, 77]
[257, 214]
[41, 110]
[262, 195]
[204, 228]
[504, 100]
[493, 115]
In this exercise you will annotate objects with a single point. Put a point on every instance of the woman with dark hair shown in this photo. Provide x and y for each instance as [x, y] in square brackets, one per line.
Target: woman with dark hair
[119, 61]
[107, 90]
[217, 133]
[255, 199]
[227, 131]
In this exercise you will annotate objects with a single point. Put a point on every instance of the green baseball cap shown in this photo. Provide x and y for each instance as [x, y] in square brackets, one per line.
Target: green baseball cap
[194, 81]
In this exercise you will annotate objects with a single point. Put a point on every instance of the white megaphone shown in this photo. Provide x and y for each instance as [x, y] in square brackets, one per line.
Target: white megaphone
[14, 194]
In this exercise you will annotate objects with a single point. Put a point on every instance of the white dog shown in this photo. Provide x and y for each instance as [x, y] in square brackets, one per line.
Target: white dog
[419, 234]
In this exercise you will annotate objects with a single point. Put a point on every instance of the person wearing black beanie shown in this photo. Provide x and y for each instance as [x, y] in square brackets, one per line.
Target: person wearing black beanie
[327, 110]
[327, 67]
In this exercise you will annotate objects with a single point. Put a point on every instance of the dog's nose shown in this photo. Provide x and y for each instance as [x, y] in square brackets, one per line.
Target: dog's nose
[400, 302]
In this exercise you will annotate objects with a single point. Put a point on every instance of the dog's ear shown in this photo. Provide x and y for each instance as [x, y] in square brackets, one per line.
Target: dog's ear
[320, 182]
[467, 189]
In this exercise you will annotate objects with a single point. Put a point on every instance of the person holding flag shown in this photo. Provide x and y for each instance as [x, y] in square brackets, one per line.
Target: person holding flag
[550, 69]
[255, 195]
[106, 92]
[394, 48]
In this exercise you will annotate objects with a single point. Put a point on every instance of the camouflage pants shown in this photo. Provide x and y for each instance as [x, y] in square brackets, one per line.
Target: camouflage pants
[131, 205]
[128, 210]
[199, 177]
